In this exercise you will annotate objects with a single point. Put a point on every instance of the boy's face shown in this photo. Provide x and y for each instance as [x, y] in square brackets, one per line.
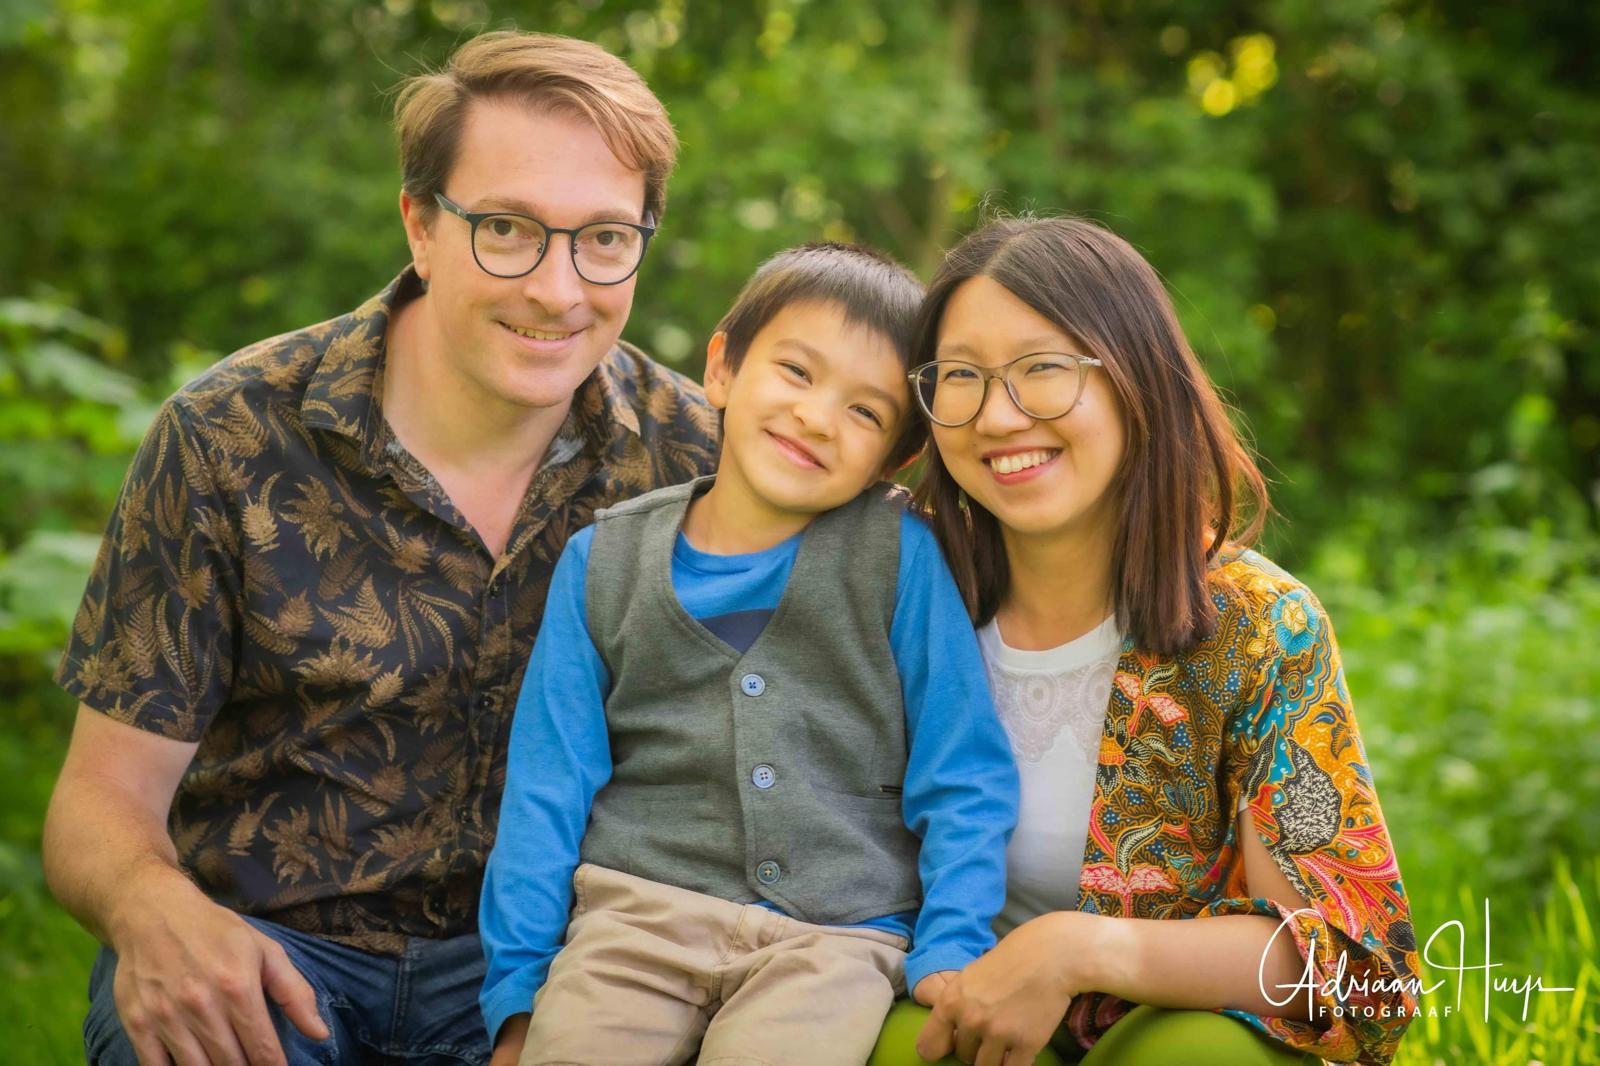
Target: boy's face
[813, 411]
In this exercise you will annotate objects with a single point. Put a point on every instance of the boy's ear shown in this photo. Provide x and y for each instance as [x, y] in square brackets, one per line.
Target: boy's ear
[718, 377]
[892, 469]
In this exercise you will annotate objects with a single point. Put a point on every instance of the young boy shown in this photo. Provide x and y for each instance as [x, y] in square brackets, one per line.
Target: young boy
[754, 715]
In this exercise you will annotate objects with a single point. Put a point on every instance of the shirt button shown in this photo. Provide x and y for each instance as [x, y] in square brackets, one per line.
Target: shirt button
[763, 777]
[753, 684]
[496, 587]
[768, 873]
[485, 701]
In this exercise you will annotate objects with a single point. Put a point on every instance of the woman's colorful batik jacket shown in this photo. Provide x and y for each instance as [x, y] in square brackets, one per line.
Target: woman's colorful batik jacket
[1256, 716]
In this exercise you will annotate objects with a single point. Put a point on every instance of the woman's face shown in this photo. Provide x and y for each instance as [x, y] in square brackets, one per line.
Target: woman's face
[1067, 463]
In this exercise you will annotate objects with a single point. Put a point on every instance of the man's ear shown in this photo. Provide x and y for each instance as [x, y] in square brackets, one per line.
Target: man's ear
[417, 235]
[719, 377]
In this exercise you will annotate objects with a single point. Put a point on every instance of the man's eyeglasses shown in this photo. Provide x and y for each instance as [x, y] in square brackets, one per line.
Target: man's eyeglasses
[1043, 385]
[510, 245]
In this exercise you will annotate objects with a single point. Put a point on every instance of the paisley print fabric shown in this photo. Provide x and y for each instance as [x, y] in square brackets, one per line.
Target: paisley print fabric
[285, 584]
[1258, 714]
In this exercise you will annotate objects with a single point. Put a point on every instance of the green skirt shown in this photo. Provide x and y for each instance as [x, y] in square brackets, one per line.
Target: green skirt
[1144, 1035]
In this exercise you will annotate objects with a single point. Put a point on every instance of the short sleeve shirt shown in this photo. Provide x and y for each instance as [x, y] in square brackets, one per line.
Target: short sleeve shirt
[283, 583]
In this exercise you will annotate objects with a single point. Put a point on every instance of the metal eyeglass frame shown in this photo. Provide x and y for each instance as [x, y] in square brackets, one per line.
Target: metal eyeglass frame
[477, 218]
[1001, 374]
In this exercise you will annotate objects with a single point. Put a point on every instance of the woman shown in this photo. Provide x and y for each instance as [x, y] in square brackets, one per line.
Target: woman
[1180, 718]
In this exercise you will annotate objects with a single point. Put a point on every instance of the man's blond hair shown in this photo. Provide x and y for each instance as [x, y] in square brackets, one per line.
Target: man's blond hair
[562, 75]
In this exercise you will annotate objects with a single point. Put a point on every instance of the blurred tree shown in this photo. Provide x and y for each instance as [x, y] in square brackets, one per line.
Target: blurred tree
[1367, 210]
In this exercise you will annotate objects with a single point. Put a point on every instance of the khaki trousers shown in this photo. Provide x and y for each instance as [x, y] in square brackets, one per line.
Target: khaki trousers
[651, 972]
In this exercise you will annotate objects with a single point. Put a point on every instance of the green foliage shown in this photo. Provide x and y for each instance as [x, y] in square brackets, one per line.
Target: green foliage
[69, 420]
[68, 423]
[1473, 670]
[1367, 210]
[1377, 219]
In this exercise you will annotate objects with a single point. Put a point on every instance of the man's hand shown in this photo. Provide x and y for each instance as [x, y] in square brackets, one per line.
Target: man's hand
[508, 1043]
[193, 977]
[1004, 1006]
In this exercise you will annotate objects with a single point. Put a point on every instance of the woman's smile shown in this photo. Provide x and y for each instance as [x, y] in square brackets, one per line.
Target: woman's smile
[1010, 466]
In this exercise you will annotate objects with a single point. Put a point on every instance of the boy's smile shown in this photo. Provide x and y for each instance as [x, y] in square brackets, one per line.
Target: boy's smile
[810, 417]
[796, 451]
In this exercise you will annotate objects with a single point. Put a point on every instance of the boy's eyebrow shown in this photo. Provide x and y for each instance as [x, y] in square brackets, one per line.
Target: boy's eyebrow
[523, 207]
[871, 390]
[892, 401]
[805, 349]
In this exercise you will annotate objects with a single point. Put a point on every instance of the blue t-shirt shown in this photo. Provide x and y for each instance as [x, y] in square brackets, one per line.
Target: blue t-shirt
[960, 789]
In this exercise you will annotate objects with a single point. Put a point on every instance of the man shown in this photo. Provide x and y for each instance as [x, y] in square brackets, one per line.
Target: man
[300, 647]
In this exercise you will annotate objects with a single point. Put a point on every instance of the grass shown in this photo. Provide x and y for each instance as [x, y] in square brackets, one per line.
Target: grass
[1555, 943]
[44, 955]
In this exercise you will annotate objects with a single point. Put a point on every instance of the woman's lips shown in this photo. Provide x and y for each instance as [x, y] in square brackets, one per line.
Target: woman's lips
[1011, 468]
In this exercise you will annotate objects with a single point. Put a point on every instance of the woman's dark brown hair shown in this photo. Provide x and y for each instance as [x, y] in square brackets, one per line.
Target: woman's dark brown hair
[1186, 484]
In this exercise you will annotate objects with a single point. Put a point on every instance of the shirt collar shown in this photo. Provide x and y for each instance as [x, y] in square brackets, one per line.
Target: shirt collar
[342, 394]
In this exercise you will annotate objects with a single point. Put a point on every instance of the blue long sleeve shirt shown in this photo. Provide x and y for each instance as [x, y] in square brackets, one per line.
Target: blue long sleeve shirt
[960, 789]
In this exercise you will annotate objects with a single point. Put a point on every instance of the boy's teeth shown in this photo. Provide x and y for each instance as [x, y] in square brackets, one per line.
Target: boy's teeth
[538, 334]
[1010, 464]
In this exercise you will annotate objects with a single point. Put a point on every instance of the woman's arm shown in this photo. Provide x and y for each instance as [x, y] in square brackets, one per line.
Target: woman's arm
[1312, 822]
[1238, 962]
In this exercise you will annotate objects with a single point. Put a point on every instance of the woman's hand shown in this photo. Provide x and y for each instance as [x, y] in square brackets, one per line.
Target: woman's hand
[1005, 1006]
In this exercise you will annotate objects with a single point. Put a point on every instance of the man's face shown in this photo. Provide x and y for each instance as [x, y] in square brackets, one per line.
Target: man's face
[528, 341]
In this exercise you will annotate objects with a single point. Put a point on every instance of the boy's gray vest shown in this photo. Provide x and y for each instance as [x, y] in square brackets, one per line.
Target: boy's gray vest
[770, 775]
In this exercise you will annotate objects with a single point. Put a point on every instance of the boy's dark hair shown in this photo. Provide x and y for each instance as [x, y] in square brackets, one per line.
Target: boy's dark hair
[870, 288]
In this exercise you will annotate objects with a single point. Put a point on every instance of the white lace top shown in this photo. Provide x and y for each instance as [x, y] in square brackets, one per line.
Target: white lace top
[1053, 704]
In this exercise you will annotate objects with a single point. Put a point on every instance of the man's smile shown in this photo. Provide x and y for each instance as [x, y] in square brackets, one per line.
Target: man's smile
[539, 334]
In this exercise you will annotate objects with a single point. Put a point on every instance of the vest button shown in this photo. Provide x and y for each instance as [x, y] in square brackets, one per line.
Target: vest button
[768, 873]
[763, 777]
[752, 684]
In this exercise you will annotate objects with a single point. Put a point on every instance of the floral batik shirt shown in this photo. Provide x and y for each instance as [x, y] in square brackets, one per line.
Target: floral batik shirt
[1257, 716]
[285, 584]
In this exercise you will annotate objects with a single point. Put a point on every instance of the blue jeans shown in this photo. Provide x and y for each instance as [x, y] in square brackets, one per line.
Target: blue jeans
[420, 1009]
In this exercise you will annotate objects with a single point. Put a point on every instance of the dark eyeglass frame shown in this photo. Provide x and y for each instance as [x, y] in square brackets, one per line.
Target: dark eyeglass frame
[1003, 375]
[477, 218]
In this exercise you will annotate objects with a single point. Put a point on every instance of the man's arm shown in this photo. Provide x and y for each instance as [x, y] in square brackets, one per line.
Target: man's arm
[190, 974]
